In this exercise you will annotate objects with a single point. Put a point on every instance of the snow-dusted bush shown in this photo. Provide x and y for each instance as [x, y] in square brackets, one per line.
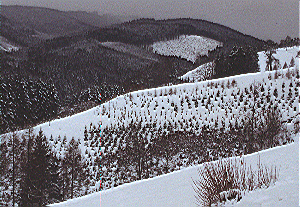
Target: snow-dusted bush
[229, 179]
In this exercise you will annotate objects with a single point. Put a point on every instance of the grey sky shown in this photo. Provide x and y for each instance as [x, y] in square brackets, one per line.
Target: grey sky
[265, 19]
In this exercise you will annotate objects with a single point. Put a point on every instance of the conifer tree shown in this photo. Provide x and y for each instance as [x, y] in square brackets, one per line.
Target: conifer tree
[292, 63]
[74, 164]
[4, 166]
[40, 176]
[13, 173]
[270, 59]
[54, 180]
[26, 168]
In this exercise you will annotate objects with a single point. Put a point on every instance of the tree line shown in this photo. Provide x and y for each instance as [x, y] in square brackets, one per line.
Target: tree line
[36, 170]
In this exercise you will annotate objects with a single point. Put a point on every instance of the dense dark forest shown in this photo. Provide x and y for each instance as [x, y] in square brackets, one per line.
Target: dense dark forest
[39, 170]
[24, 102]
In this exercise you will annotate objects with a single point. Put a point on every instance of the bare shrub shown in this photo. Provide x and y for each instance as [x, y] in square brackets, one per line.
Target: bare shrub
[229, 179]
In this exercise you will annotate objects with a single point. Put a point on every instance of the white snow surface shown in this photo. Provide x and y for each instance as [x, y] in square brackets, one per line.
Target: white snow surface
[188, 47]
[175, 189]
[71, 126]
[201, 73]
[92, 200]
[284, 55]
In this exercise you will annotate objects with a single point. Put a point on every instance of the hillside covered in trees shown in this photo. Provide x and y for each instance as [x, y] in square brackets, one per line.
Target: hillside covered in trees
[85, 72]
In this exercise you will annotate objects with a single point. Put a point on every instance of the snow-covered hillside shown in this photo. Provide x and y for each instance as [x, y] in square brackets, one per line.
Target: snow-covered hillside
[160, 102]
[201, 73]
[225, 98]
[6, 45]
[131, 49]
[214, 103]
[188, 47]
[284, 55]
[72, 126]
[92, 200]
[210, 101]
[175, 189]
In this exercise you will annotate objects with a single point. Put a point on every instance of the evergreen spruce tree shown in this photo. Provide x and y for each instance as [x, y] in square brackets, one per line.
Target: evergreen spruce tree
[74, 163]
[40, 176]
[270, 59]
[26, 168]
[4, 166]
[13, 173]
[292, 63]
[55, 180]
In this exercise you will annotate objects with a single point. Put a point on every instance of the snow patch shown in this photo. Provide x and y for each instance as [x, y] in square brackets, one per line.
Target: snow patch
[188, 47]
[201, 73]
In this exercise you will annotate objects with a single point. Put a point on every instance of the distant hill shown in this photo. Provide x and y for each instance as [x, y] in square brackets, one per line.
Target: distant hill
[84, 61]
[148, 31]
[45, 21]
[151, 30]
[27, 25]
[94, 19]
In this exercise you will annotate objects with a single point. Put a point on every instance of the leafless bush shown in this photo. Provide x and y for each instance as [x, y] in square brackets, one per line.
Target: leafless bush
[228, 179]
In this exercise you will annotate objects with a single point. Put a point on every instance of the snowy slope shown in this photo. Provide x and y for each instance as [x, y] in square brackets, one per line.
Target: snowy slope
[175, 189]
[284, 55]
[197, 104]
[192, 100]
[155, 105]
[6, 45]
[189, 107]
[73, 126]
[188, 47]
[92, 200]
[201, 73]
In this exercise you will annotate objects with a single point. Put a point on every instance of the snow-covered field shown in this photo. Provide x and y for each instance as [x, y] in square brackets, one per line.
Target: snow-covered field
[226, 98]
[72, 126]
[188, 47]
[175, 189]
[92, 200]
[284, 55]
[210, 101]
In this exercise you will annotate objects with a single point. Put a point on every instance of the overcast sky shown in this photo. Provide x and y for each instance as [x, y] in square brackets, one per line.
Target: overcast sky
[265, 19]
